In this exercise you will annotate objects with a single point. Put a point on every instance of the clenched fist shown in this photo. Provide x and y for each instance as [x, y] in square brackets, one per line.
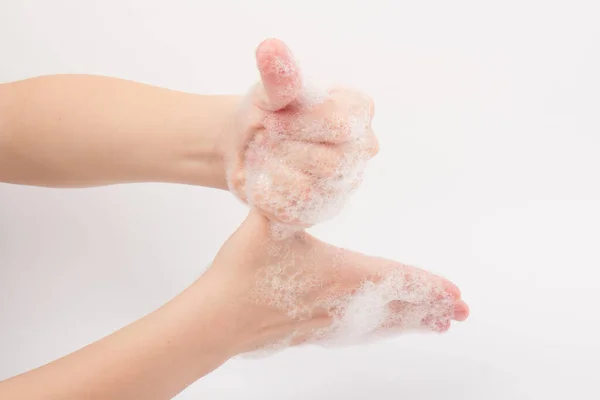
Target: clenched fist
[296, 152]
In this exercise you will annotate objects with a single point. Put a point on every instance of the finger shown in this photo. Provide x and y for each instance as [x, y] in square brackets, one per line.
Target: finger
[342, 117]
[362, 148]
[411, 284]
[402, 315]
[370, 105]
[279, 191]
[325, 160]
[461, 311]
[318, 159]
[373, 146]
[280, 75]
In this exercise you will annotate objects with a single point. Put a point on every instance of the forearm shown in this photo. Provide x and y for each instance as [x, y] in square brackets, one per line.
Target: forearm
[81, 130]
[153, 358]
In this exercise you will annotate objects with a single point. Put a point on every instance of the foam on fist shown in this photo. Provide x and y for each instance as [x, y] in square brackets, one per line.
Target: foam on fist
[297, 151]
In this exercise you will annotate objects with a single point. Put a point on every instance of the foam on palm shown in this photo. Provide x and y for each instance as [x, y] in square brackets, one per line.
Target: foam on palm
[396, 299]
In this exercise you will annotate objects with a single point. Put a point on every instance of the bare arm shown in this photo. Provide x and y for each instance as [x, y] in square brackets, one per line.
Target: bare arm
[261, 291]
[82, 130]
[153, 358]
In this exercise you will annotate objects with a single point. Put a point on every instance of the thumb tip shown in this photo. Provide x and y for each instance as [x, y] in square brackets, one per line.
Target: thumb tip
[279, 72]
[271, 52]
[270, 45]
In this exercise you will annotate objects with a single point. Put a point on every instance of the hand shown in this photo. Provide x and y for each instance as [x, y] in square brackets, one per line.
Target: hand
[279, 293]
[293, 152]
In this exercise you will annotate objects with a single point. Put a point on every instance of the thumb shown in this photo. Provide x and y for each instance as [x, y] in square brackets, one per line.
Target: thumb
[280, 75]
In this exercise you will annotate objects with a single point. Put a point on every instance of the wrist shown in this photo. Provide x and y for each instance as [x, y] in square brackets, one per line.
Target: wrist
[198, 149]
[225, 313]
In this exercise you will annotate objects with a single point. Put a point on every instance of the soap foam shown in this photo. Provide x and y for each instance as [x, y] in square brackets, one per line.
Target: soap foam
[280, 187]
[398, 299]
[401, 299]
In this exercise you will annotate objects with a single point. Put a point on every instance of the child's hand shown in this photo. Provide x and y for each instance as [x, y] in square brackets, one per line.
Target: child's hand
[296, 153]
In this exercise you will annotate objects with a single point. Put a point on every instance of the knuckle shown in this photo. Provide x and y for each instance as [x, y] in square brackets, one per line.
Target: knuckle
[371, 107]
[340, 128]
[374, 145]
[332, 163]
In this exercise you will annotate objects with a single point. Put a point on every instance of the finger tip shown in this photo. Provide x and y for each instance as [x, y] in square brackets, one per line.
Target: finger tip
[269, 43]
[452, 290]
[461, 311]
[270, 48]
[375, 147]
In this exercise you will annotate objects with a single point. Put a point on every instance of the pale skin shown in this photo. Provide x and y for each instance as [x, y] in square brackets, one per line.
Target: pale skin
[81, 131]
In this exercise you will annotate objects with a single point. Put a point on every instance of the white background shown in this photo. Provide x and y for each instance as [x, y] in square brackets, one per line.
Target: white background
[488, 119]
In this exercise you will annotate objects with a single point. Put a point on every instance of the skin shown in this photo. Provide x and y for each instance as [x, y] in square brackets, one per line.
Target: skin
[54, 133]
[304, 148]
[213, 320]
[79, 131]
